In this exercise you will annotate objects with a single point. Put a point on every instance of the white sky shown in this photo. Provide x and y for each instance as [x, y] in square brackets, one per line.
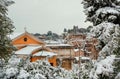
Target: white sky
[40, 16]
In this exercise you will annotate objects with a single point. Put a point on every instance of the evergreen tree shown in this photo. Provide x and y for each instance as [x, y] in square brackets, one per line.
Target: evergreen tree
[5, 29]
[65, 30]
[105, 16]
[89, 28]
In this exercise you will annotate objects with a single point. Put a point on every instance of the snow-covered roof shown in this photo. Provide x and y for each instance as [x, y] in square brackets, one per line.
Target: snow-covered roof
[44, 53]
[52, 42]
[63, 45]
[14, 35]
[82, 58]
[27, 50]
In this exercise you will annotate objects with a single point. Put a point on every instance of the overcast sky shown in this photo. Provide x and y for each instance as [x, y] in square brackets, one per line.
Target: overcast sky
[40, 16]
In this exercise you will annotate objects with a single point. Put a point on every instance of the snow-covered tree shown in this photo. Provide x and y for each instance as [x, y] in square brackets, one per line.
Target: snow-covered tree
[34, 70]
[105, 16]
[6, 28]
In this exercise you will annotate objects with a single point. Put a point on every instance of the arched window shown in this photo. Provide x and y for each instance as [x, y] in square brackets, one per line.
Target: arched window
[25, 39]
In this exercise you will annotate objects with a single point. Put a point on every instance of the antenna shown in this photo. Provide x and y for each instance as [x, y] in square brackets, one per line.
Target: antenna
[25, 29]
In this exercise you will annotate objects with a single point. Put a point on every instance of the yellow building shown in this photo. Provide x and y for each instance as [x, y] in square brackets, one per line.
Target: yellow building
[31, 47]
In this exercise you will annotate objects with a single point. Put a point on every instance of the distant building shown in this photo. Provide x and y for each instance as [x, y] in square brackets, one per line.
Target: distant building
[75, 39]
[84, 44]
[62, 50]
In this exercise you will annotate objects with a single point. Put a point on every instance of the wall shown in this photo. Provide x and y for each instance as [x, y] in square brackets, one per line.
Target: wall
[52, 60]
[21, 40]
[64, 52]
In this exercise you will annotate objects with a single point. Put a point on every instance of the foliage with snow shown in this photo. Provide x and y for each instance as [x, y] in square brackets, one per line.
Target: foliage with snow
[5, 29]
[105, 16]
[118, 76]
[98, 11]
[36, 70]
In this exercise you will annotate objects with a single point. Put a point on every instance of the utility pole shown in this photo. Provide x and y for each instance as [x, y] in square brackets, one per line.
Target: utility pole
[79, 62]
[79, 47]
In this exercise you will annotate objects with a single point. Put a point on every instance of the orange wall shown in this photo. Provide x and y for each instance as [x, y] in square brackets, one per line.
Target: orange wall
[21, 41]
[35, 58]
[51, 60]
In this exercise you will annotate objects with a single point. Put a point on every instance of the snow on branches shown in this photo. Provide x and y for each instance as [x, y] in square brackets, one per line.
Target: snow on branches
[105, 16]
[103, 67]
[6, 28]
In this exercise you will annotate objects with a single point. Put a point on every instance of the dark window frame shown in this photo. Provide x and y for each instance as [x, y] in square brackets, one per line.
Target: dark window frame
[25, 39]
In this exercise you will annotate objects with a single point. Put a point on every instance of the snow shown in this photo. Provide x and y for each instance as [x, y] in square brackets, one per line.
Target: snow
[14, 35]
[10, 72]
[107, 10]
[23, 74]
[44, 53]
[104, 31]
[39, 76]
[89, 9]
[63, 45]
[105, 66]
[82, 58]
[118, 0]
[76, 50]
[105, 17]
[112, 17]
[85, 58]
[2, 2]
[27, 50]
[108, 48]
[42, 69]
[52, 42]
[14, 61]
[118, 76]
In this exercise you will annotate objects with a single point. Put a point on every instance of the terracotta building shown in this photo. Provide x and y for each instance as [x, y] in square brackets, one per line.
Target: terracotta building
[30, 47]
[65, 54]
[85, 45]
[62, 50]
[26, 39]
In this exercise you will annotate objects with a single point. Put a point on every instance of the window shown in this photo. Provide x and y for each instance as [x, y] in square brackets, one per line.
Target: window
[25, 39]
[51, 64]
